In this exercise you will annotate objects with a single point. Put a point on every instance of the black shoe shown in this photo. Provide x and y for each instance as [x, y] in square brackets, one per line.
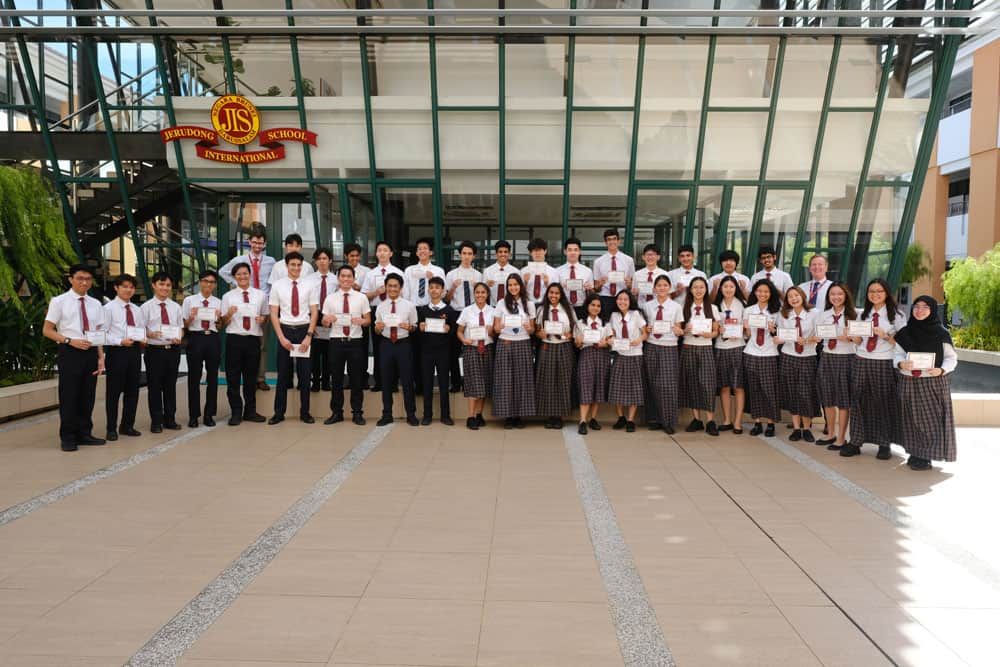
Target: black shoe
[654, 426]
[376, 389]
[156, 428]
[711, 428]
[519, 423]
[235, 421]
[90, 441]
[669, 430]
[111, 436]
[480, 420]
[558, 421]
[916, 463]
[455, 388]
[334, 419]
[326, 387]
[447, 421]
[276, 419]
[582, 428]
[884, 453]
[737, 431]
[255, 417]
[834, 447]
[263, 386]
[594, 425]
[807, 435]
[68, 446]
[314, 389]
[620, 424]
[630, 427]
[173, 426]
[508, 423]
[847, 449]
[412, 420]
[193, 422]
[795, 436]
[359, 419]
[307, 419]
[472, 424]
[384, 421]
[426, 421]
[209, 421]
[790, 426]
[826, 442]
[130, 432]
[725, 427]
[550, 423]
[695, 425]
[769, 431]
[757, 429]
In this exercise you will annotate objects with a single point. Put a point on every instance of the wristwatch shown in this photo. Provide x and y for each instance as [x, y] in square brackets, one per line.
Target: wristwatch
[65, 341]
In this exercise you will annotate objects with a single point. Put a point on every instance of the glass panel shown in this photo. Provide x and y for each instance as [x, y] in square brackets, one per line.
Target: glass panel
[467, 71]
[400, 20]
[659, 219]
[881, 212]
[263, 67]
[331, 67]
[534, 211]
[743, 74]
[363, 221]
[738, 227]
[826, 232]
[400, 85]
[734, 144]
[605, 69]
[805, 70]
[537, 20]
[296, 218]
[670, 109]
[707, 224]
[609, 4]
[599, 177]
[469, 140]
[858, 72]
[836, 184]
[469, 215]
[899, 130]
[331, 224]
[798, 129]
[536, 108]
[779, 224]
[407, 215]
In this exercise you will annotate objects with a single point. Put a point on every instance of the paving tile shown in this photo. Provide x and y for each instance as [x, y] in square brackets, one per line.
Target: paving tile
[437, 576]
[310, 572]
[544, 578]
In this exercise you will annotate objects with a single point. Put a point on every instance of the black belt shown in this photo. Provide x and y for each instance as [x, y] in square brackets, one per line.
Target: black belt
[294, 326]
[202, 332]
[161, 347]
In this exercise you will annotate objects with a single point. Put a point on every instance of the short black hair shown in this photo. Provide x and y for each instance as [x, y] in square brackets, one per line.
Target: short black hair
[538, 244]
[386, 244]
[345, 266]
[468, 244]
[294, 255]
[208, 273]
[572, 241]
[351, 247]
[651, 246]
[293, 238]
[766, 250]
[685, 247]
[258, 231]
[501, 244]
[436, 280]
[161, 276]
[727, 255]
[609, 232]
[125, 278]
[80, 268]
[394, 276]
[322, 251]
[425, 239]
[241, 265]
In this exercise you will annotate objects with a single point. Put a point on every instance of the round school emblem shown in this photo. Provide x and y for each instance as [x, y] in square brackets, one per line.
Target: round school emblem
[236, 119]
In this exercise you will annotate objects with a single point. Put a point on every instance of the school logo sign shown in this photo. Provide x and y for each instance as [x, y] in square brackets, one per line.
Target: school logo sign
[236, 121]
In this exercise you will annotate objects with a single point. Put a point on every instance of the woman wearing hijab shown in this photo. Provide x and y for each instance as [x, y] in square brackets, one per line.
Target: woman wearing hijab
[928, 425]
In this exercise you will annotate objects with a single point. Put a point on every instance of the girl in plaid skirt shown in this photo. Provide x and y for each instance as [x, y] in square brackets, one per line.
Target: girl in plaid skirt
[729, 354]
[698, 376]
[477, 353]
[836, 363]
[928, 425]
[514, 372]
[797, 368]
[625, 389]
[554, 370]
[760, 357]
[594, 364]
[659, 355]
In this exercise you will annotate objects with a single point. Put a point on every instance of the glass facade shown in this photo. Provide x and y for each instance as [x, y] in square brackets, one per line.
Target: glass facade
[778, 127]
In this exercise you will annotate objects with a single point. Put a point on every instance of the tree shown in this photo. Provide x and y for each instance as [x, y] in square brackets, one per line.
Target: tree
[973, 286]
[916, 264]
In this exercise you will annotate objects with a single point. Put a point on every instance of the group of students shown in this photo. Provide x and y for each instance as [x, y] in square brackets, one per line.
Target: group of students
[536, 340]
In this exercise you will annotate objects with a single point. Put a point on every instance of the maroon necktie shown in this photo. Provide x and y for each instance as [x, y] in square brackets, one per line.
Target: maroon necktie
[614, 267]
[538, 287]
[482, 344]
[246, 320]
[204, 323]
[295, 298]
[83, 315]
[347, 309]
[164, 317]
[798, 328]
[659, 318]
[572, 276]
[322, 291]
[500, 287]
[649, 279]
[760, 337]
[255, 263]
[813, 293]
[392, 330]
[832, 343]
[129, 319]
[873, 339]
[555, 314]
[624, 326]
[916, 374]
[768, 275]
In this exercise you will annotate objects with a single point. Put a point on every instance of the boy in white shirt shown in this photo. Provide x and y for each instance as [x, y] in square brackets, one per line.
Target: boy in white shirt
[537, 273]
[642, 284]
[768, 259]
[395, 320]
[729, 260]
[682, 276]
[204, 348]
[123, 357]
[293, 243]
[294, 307]
[460, 284]
[576, 278]
[416, 292]
[612, 264]
[373, 287]
[496, 274]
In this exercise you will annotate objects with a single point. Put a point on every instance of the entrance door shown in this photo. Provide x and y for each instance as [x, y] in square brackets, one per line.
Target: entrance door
[661, 215]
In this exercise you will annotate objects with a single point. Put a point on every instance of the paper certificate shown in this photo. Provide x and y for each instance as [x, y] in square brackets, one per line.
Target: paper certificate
[553, 328]
[298, 353]
[323, 333]
[247, 310]
[826, 330]
[477, 333]
[861, 328]
[97, 337]
[512, 322]
[574, 285]
[701, 325]
[733, 331]
[645, 287]
[435, 325]
[922, 361]
[391, 320]
[788, 334]
[617, 277]
[535, 268]
[757, 321]
[591, 336]
[379, 282]
[168, 332]
[342, 319]
[206, 314]
[661, 327]
[622, 345]
[135, 333]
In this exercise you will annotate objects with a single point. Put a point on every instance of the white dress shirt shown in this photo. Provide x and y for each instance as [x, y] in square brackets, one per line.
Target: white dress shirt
[416, 276]
[577, 271]
[405, 310]
[672, 314]
[280, 270]
[822, 287]
[562, 317]
[193, 303]
[468, 277]
[153, 315]
[360, 271]
[883, 349]
[842, 346]
[256, 298]
[530, 272]
[808, 325]
[682, 276]
[499, 275]
[768, 349]
[281, 296]
[507, 333]
[357, 306]
[780, 278]
[602, 267]
[735, 309]
[116, 320]
[261, 281]
[588, 323]
[65, 312]
[636, 323]
[315, 280]
[376, 278]
[741, 280]
[470, 318]
[949, 360]
[648, 276]
[708, 311]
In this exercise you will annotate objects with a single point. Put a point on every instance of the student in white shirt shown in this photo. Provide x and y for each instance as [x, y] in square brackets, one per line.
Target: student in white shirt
[293, 243]
[768, 257]
[496, 274]
[475, 326]
[760, 358]
[244, 331]
[352, 254]
[346, 345]
[554, 373]
[594, 363]
[928, 426]
[684, 273]
[324, 282]
[729, 355]
[395, 321]
[797, 368]
[70, 317]
[163, 353]
[625, 388]
[642, 284]
[874, 404]
[818, 284]
[513, 371]
[204, 348]
[417, 278]
[123, 358]
[459, 284]
[537, 273]
[612, 264]
[374, 288]
[836, 365]
[729, 260]
[576, 278]
[294, 311]
[660, 360]
[698, 374]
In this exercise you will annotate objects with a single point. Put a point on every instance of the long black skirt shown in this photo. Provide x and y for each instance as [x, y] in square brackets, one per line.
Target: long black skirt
[513, 380]
[553, 377]
[762, 386]
[797, 382]
[698, 377]
[833, 380]
[662, 367]
[625, 384]
[477, 371]
[874, 403]
[729, 367]
[928, 423]
[593, 369]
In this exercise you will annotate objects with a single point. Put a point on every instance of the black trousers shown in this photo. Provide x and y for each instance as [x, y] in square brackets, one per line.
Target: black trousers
[123, 366]
[242, 359]
[607, 307]
[418, 371]
[302, 368]
[436, 359]
[397, 364]
[162, 362]
[455, 353]
[77, 392]
[319, 357]
[203, 351]
[353, 354]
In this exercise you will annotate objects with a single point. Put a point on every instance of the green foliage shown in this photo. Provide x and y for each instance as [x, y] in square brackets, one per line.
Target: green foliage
[308, 88]
[976, 337]
[273, 91]
[916, 264]
[973, 286]
[25, 354]
[33, 241]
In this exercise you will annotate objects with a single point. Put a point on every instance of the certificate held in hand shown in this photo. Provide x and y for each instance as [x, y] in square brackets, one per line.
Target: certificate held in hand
[512, 322]
[434, 325]
[757, 321]
[661, 327]
[788, 334]
[247, 310]
[862, 328]
[298, 353]
[477, 333]
[826, 330]
[622, 345]
[591, 336]
[168, 332]
[617, 277]
[391, 320]
[553, 328]
[733, 331]
[645, 287]
[701, 325]
[135, 333]
[206, 314]
[922, 361]
[97, 337]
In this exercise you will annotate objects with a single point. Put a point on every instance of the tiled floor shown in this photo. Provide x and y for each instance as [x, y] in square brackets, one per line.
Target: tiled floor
[448, 547]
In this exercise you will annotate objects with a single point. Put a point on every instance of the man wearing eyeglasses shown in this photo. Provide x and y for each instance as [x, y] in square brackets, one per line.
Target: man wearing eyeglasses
[202, 313]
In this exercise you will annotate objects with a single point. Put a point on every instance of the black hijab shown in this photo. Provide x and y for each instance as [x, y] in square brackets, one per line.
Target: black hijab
[927, 335]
